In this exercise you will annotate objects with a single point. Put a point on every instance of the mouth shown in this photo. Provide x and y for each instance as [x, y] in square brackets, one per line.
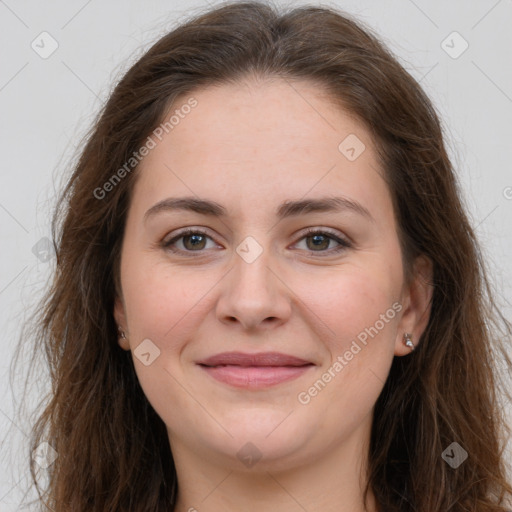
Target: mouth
[254, 371]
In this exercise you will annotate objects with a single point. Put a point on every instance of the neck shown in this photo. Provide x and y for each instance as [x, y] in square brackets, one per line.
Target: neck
[332, 482]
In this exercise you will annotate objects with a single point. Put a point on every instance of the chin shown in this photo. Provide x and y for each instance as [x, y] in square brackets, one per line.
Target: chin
[264, 442]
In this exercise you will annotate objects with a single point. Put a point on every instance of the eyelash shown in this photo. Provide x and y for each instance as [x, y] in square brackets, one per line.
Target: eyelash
[343, 244]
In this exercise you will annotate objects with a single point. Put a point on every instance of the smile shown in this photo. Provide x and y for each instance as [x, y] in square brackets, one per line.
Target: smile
[255, 371]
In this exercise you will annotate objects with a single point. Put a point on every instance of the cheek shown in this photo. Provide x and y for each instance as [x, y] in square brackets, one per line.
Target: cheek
[352, 299]
[362, 311]
[161, 302]
[162, 305]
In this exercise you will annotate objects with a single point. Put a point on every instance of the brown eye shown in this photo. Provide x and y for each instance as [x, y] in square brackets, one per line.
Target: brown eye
[318, 241]
[192, 240]
[195, 241]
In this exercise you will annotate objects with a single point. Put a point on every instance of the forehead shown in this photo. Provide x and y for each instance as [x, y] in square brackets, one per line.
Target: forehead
[243, 119]
[260, 140]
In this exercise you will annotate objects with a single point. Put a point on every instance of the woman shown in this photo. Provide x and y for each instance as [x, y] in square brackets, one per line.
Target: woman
[268, 294]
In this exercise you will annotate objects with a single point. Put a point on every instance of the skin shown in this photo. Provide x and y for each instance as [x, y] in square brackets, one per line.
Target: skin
[250, 147]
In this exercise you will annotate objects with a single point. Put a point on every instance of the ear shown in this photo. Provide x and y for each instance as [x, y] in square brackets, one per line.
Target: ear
[120, 318]
[416, 301]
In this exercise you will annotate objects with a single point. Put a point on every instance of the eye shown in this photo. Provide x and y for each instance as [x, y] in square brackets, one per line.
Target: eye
[193, 241]
[320, 239]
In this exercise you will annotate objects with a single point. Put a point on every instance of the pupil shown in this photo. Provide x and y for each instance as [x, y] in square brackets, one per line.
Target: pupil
[318, 238]
[195, 239]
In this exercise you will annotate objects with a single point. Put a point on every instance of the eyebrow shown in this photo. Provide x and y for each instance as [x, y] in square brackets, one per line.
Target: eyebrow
[285, 209]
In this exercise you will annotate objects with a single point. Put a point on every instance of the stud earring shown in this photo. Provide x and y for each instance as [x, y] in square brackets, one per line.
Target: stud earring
[408, 341]
[122, 335]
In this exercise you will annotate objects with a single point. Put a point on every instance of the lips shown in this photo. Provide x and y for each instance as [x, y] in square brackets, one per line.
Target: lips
[261, 359]
[254, 371]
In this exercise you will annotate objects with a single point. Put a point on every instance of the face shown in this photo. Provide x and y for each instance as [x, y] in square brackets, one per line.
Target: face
[266, 322]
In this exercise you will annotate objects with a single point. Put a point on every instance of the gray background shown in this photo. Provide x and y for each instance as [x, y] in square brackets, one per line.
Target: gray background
[47, 104]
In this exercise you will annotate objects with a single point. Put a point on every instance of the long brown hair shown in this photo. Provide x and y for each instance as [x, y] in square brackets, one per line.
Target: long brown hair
[113, 449]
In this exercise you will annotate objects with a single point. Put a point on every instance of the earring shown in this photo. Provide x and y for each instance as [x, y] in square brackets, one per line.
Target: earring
[408, 341]
[122, 335]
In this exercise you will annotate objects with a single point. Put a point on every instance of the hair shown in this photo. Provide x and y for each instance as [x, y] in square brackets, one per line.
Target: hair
[113, 449]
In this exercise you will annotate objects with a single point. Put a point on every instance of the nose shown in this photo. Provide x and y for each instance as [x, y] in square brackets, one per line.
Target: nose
[254, 295]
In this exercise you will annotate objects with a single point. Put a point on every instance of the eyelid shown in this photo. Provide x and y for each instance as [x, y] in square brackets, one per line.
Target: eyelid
[327, 231]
